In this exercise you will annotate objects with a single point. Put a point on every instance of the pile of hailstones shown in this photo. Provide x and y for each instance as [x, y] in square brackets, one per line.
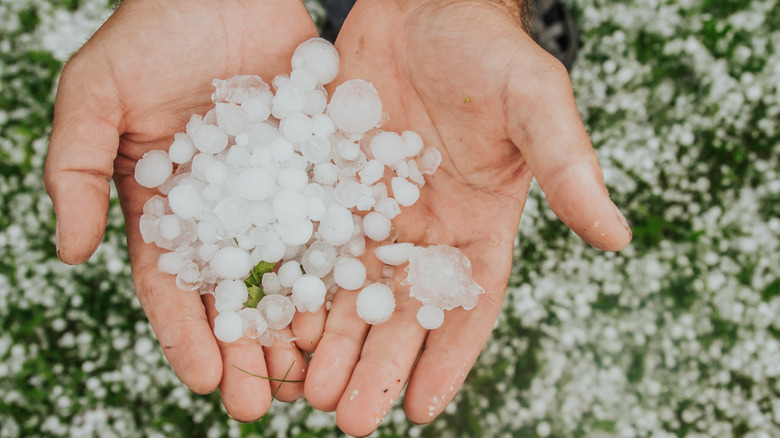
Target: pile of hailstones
[277, 178]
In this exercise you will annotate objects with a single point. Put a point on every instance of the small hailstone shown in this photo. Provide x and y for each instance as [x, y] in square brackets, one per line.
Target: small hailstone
[296, 128]
[319, 57]
[348, 192]
[430, 317]
[231, 290]
[402, 169]
[185, 201]
[271, 283]
[356, 246]
[273, 250]
[415, 175]
[376, 226]
[388, 148]
[209, 139]
[375, 303]
[289, 206]
[215, 172]
[404, 192]
[349, 273]
[288, 100]
[336, 226]
[169, 226]
[319, 259]
[316, 149]
[278, 310]
[282, 149]
[295, 233]
[371, 172]
[256, 110]
[355, 106]
[206, 233]
[231, 262]
[155, 206]
[322, 125]
[429, 160]
[289, 272]
[394, 254]
[326, 173]
[308, 293]
[170, 263]
[153, 169]
[413, 143]
[231, 118]
[348, 150]
[316, 102]
[254, 322]
[189, 277]
[148, 227]
[228, 327]
[181, 150]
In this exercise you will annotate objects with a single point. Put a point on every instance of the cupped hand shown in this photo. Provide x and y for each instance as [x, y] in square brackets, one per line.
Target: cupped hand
[472, 83]
[127, 91]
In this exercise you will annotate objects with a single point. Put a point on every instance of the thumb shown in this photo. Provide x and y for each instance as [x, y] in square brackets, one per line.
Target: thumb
[545, 125]
[79, 162]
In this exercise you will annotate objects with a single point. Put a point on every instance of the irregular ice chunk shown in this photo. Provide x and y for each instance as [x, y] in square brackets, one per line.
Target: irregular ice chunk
[228, 327]
[319, 57]
[349, 273]
[375, 303]
[153, 169]
[271, 283]
[371, 172]
[231, 262]
[430, 317]
[395, 254]
[308, 293]
[355, 106]
[388, 207]
[238, 89]
[440, 275]
[429, 160]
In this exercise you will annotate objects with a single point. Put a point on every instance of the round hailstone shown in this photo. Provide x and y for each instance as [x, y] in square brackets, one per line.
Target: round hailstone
[375, 303]
[231, 118]
[319, 259]
[413, 143]
[430, 317]
[206, 233]
[395, 254]
[153, 169]
[256, 110]
[296, 129]
[356, 246]
[316, 149]
[376, 226]
[308, 293]
[289, 272]
[231, 262]
[254, 184]
[182, 149]
[388, 148]
[322, 125]
[404, 192]
[355, 106]
[295, 233]
[169, 226]
[349, 273]
[336, 226]
[209, 139]
[319, 57]
[234, 290]
[278, 310]
[185, 201]
[254, 323]
[228, 327]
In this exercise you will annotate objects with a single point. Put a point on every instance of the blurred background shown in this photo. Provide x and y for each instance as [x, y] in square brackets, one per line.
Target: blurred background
[675, 336]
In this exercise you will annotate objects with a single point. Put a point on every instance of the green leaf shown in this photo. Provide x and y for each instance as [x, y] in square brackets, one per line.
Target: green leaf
[256, 276]
[256, 294]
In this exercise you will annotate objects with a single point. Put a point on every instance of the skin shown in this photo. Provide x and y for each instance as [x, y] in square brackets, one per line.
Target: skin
[136, 82]
[472, 83]
[127, 91]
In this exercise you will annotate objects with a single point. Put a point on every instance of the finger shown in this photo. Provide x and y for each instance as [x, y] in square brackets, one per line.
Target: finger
[451, 350]
[544, 124]
[79, 163]
[285, 362]
[307, 327]
[386, 360]
[177, 317]
[337, 353]
[246, 397]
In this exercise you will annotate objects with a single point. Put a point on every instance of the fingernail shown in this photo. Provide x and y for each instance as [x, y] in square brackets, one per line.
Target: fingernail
[623, 220]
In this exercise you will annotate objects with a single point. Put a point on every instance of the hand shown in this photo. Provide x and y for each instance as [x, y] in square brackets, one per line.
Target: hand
[471, 82]
[127, 91]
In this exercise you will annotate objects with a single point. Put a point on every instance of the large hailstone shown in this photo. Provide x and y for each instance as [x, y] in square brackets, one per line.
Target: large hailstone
[440, 275]
[355, 106]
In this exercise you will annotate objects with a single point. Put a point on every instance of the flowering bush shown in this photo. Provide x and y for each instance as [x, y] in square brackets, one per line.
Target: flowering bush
[675, 336]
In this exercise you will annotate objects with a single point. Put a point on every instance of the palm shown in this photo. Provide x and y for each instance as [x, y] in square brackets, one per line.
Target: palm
[127, 91]
[458, 73]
